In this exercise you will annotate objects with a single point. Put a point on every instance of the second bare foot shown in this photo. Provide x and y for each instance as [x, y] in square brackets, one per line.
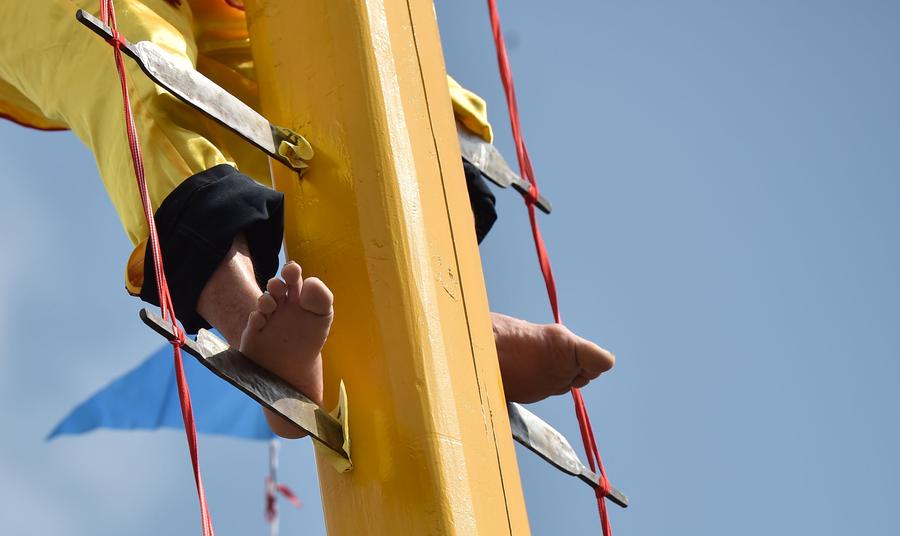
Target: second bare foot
[286, 334]
[541, 360]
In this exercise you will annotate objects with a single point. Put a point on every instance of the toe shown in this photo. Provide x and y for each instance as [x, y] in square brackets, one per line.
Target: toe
[291, 273]
[293, 277]
[315, 297]
[255, 322]
[266, 304]
[278, 289]
[593, 359]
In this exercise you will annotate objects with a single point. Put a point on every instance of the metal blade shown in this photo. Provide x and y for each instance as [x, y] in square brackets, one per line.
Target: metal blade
[542, 439]
[258, 383]
[493, 166]
[201, 93]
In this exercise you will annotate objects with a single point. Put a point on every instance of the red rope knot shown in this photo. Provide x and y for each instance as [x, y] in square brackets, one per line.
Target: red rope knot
[116, 40]
[602, 489]
[178, 341]
[533, 194]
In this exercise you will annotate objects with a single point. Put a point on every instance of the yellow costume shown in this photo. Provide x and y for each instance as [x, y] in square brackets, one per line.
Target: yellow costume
[54, 74]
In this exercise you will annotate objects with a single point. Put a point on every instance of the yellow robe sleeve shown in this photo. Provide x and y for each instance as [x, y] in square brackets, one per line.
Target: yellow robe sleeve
[207, 34]
[470, 110]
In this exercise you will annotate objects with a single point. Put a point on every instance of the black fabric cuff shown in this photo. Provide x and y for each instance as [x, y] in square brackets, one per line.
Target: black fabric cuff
[482, 200]
[197, 224]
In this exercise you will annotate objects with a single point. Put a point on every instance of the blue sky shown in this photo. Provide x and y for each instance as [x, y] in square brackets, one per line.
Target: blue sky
[726, 180]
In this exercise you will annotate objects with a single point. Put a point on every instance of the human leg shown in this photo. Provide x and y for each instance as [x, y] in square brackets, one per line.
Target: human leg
[42, 33]
[220, 231]
[287, 326]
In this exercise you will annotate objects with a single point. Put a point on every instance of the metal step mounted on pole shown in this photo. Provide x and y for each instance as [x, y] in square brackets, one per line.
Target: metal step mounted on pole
[382, 215]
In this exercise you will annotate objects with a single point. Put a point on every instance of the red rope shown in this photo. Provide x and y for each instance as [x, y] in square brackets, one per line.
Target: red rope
[525, 168]
[108, 16]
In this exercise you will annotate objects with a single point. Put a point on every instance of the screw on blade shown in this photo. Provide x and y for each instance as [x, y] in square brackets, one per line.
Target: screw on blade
[204, 95]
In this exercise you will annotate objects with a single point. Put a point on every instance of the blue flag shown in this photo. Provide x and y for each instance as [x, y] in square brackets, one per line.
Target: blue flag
[147, 399]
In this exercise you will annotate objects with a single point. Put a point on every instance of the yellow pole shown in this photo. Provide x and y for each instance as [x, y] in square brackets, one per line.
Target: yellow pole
[383, 218]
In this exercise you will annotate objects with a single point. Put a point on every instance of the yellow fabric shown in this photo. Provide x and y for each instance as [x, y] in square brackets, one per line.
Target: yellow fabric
[56, 74]
[69, 78]
[134, 269]
[342, 414]
[17, 107]
[470, 110]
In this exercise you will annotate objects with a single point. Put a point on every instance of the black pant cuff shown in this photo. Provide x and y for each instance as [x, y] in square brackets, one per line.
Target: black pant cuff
[197, 224]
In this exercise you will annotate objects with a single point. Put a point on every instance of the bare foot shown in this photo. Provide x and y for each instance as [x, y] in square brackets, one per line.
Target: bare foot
[286, 334]
[537, 361]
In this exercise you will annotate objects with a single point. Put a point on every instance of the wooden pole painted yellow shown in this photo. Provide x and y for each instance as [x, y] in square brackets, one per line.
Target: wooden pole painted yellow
[383, 218]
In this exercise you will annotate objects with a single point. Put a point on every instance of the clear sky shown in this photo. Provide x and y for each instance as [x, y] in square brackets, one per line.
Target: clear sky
[726, 181]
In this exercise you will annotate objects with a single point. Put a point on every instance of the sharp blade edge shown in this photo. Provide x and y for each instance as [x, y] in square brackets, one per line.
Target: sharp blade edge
[539, 437]
[202, 93]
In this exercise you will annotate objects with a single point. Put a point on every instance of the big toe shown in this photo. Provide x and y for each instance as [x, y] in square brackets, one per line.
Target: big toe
[315, 297]
[593, 359]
